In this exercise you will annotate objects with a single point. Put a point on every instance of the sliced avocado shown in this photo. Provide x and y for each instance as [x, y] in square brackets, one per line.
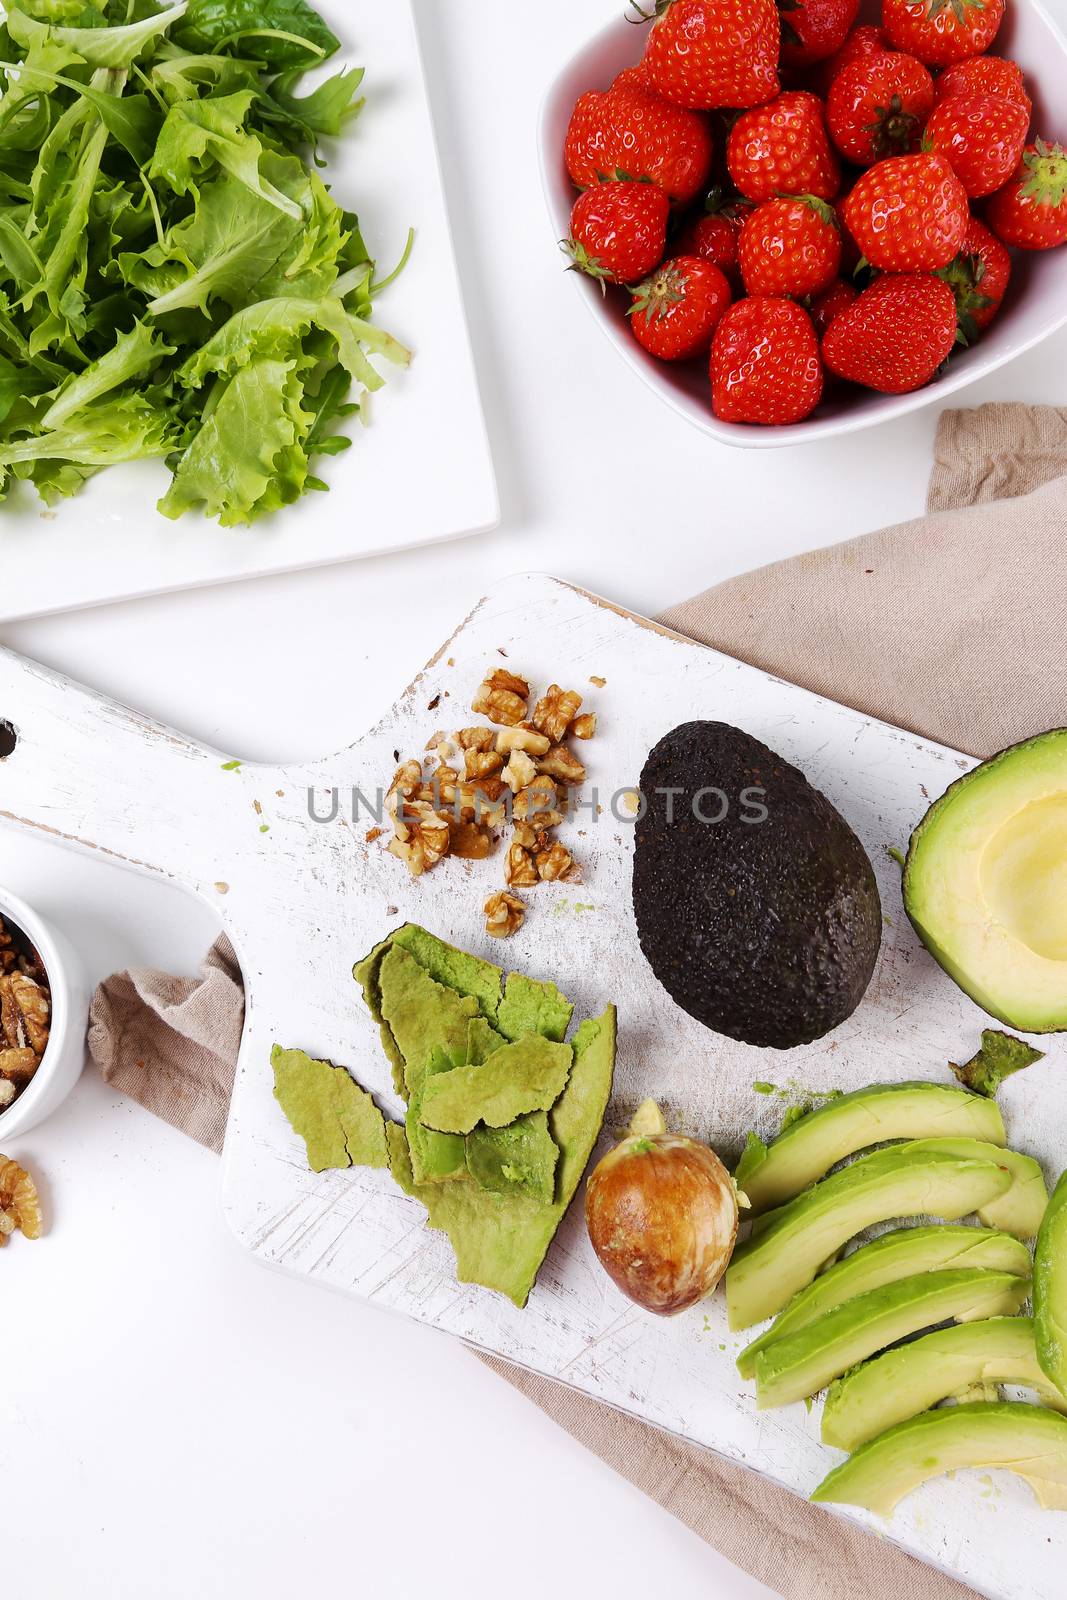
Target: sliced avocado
[768, 1269]
[983, 883]
[1028, 1440]
[756, 904]
[367, 974]
[337, 1120]
[1050, 1289]
[435, 1157]
[466, 974]
[895, 1255]
[530, 1006]
[902, 1383]
[1021, 1207]
[810, 1146]
[528, 1075]
[521, 1156]
[800, 1364]
[421, 1014]
[501, 1240]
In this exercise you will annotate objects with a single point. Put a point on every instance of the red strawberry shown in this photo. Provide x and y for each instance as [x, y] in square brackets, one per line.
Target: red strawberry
[877, 107]
[940, 32]
[632, 78]
[632, 130]
[908, 214]
[981, 137]
[836, 299]
[790, 247]
[814, 29]
[676, 311]
[978, 277]
[862, 42]
[765, 364]
[1030, 212]
[985, 75]
[714, 235]
[783, 149]
[709, 53]
[895, 336]
[619, 231]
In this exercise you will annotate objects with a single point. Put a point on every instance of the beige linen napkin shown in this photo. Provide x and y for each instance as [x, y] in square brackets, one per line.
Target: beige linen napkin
[952, 626]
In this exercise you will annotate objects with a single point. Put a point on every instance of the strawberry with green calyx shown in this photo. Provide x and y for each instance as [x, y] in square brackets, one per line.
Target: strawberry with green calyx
[978, 277]
[877, 107]
[895, 337]
[633, 129]
[676, 311]
[619, 231]
[790, 246]
[765, 365]
[985, 75]
[783, 148]
[706, 54]
[812, 30]
[714, 235]
[908, 214]
[941, 32]
[981, 136]
[1030, 212]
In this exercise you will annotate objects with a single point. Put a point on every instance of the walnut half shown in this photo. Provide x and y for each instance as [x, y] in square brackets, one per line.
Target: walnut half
[504, 914]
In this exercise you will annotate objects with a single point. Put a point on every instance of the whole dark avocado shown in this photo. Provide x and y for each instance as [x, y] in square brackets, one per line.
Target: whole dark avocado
[764, 924]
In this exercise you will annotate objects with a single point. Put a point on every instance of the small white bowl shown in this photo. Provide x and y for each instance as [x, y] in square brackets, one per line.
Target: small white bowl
[64, 1057]
[1037, 299]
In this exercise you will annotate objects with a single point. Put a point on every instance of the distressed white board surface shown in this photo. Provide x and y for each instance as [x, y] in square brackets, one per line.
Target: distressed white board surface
[110, 543]
[302, 901]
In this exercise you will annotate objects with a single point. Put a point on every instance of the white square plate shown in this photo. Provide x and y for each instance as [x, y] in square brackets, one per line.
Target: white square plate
[420, 472]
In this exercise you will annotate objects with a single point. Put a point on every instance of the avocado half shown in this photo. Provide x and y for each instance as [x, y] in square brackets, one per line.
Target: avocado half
[985, 883]
[756, 904]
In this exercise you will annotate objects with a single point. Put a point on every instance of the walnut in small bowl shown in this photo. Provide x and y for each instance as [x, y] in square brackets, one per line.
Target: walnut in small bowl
[25, 1011]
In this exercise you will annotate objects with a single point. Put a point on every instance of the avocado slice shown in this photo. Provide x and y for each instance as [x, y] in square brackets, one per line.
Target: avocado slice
[435, 1157]
[1020, 1209]
[523, 1156]
[983, 883]
[895, 1255]
[528, 1075]
[800, 1364]
[337, 1120]
[902, 1383]
[1028, 1440]
[810, 1146]
[756, 905]
[421, 1014]
[1050, 1289]
[769, 1268]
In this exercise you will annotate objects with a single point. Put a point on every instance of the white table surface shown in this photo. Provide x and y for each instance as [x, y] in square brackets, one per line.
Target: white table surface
[173, 1419]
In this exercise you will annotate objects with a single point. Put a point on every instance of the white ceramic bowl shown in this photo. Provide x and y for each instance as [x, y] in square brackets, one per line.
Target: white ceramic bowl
[1036, 304]
[64, 1057]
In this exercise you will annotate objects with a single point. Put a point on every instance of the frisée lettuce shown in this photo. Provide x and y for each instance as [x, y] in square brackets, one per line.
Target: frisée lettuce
[177, 279]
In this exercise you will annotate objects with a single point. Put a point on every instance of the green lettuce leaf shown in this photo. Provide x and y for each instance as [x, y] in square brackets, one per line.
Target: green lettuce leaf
[200, 133]
[283, 33]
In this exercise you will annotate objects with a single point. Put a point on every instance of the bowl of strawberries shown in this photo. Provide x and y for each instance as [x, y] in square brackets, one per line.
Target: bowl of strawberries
[799, 219]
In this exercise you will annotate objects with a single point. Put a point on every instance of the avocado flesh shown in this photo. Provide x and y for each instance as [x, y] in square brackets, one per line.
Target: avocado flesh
[1050, 1289]
[902, 1383]
[766, 930]
[813, 1144]
[770, 1268]
[895, 1255]
[1022, 1206]
[798, 1366]
[1027, 1440]
[985, 883]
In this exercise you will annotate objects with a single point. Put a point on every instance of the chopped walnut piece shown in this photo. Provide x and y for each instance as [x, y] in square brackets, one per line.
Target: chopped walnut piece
[537, 803]
[477, 738]
[19, 1064]
[470, 842]
[584, 727]
[18, 1198]
[523, 738]
[504, 914]
[598, 683]
[34, 1008]
[520, 870]
[482, 763]
[8, 1092]
[563, 766]
[408, 778]
[555, 711]
[520, 771]
[502, 698]
[531, 838]
[425, 840]
[554, 863]
[441, 746]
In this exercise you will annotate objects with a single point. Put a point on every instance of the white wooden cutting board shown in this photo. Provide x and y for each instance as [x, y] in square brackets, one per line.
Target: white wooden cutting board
[303, 900]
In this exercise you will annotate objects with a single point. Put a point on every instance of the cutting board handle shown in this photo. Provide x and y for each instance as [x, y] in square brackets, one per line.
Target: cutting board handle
[90, 773]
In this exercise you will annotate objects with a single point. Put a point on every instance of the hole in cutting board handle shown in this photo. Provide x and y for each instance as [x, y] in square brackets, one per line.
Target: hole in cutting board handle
[8, 739]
